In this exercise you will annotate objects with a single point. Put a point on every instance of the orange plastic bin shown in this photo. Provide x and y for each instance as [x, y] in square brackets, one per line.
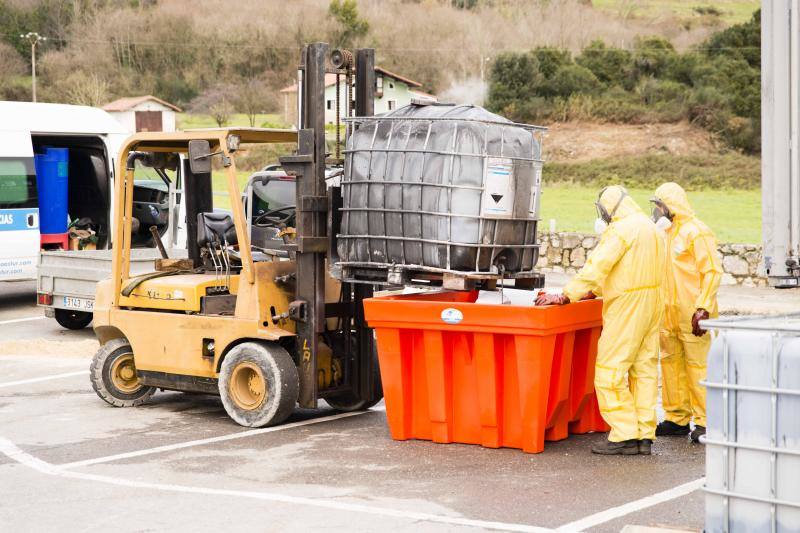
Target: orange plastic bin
[495, 375]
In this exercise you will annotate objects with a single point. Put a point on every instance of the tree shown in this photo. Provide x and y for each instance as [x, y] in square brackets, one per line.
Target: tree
[174, 88]
[652, 56]
[11, 63]
[85, 89]
[12, 85]
[345, 12]
[572, 79]
[611, 65]
[216, 102]
[253, 97]
[551, 59]
[221, 112]
[515, 78]
[741, 41]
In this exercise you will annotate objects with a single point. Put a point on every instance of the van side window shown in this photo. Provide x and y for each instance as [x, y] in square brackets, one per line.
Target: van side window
[17, 183]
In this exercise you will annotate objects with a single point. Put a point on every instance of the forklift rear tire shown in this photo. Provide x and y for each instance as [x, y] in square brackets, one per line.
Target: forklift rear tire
[348, 401]
[258, 384]
[113, 375]
[73, 319]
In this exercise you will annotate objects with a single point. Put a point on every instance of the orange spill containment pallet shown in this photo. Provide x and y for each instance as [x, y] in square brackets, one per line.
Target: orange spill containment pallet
[496, 375]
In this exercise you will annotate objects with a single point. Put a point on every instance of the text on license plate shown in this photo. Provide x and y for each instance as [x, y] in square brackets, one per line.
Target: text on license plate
[81, 304]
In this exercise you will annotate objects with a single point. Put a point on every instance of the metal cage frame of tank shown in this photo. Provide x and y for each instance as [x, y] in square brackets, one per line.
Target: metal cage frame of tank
[397, 270]
[778, 325]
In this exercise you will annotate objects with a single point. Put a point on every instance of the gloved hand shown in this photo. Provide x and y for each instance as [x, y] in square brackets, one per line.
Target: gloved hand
[700, 314]
[588, 296]
[551, 299]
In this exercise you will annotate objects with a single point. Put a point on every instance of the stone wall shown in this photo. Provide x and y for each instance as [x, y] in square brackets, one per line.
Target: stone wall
[567, 252]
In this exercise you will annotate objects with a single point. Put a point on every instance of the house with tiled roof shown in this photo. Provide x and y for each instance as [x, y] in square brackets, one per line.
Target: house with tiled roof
[143, 113]
[392, 91]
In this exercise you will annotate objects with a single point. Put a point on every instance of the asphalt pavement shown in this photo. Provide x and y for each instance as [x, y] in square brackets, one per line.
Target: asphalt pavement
[70, 462]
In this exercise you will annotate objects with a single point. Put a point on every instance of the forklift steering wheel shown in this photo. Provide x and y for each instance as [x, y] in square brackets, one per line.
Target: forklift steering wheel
[275, 217]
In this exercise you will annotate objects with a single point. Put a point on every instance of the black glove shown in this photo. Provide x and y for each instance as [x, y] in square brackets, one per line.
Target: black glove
[700, 314]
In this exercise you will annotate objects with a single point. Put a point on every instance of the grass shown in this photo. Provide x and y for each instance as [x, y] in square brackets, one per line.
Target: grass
[219, 186]
[730, 170]
[186, 121]
[732, 11]
[733, 215]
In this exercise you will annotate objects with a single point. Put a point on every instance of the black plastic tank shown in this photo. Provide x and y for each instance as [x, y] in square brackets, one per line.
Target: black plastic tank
[442, 188]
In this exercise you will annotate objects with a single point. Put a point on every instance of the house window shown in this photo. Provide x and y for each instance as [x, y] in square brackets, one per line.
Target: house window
[391, 85]
[392, 104]
[330, 104]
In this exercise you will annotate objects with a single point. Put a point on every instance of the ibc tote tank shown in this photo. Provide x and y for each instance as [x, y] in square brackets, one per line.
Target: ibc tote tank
[441, 188]
[753, 439]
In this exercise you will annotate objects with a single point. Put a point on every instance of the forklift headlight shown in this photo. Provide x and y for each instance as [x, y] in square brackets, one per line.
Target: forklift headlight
[233, 142]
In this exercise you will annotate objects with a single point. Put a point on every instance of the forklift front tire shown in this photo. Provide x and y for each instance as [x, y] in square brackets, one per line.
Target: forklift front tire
[258, 384]
[72, 319]
[113, 375]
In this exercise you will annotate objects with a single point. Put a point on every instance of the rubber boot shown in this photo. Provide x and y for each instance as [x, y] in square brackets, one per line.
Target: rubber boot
[671, 429]
[626, 447]
[698, 432]
[645, 447]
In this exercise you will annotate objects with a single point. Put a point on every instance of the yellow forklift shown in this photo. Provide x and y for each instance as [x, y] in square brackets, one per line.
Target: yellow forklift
[262, 324]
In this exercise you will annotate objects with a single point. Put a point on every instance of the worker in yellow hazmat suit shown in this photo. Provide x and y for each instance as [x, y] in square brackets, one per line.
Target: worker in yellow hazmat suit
[693, 273]
[626, 269]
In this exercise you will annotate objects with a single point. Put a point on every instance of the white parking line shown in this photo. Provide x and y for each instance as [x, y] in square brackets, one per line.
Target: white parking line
[211, 440]
[9, 449]
[631, 507]
[16, 320]
[43, 378]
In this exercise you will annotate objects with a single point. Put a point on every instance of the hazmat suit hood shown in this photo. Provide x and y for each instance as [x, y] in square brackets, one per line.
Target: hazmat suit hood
[674, 197]
[610, 198]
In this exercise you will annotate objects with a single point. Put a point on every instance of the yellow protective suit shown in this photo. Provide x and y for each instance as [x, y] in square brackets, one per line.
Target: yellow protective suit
[693, 273]
[626, 268]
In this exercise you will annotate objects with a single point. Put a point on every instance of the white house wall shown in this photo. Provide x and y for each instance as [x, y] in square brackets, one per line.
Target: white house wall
[126, 118]
[393, 91]
[330, 96]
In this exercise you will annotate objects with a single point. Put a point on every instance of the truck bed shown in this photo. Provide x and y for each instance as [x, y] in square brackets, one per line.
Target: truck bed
[75, 273]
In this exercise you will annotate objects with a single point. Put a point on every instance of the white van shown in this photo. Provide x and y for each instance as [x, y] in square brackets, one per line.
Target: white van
[93, 138]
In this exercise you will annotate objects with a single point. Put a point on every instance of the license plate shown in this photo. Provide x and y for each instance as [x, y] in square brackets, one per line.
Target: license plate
[81, 304]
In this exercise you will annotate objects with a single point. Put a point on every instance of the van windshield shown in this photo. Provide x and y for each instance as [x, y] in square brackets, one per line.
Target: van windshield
[17, 183]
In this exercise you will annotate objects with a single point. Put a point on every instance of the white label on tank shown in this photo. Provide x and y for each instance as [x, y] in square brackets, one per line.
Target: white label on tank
[535, 188]
[452, 315]
[498, 192]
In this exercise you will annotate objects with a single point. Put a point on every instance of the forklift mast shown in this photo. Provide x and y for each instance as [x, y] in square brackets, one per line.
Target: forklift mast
[316, 215]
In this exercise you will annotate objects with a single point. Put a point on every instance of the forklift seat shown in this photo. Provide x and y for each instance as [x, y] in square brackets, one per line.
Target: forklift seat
[215, 228]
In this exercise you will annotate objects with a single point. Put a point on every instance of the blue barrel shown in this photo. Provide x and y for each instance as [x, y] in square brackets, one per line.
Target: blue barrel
[52, 184]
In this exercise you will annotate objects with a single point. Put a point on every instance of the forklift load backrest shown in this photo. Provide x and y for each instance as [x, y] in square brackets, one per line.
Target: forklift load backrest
[215, 228]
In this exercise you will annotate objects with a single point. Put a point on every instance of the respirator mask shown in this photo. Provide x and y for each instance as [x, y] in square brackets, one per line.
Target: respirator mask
[662, 216]
[600, 225]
